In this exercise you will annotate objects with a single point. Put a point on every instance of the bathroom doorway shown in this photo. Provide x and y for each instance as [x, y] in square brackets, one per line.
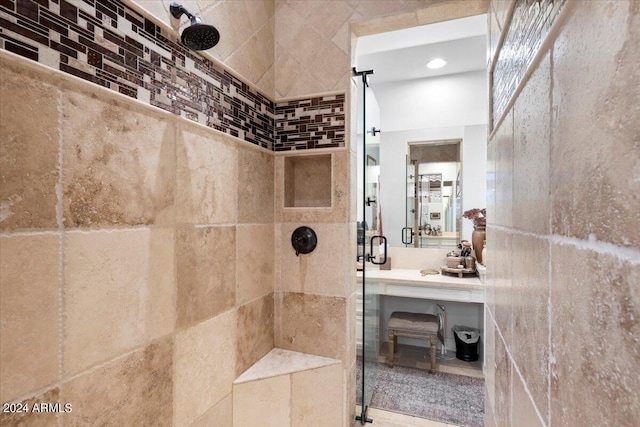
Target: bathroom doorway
[419, 105]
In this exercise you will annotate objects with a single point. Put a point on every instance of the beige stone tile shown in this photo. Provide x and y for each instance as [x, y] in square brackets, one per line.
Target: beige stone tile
[594, 150]
[255, 332]
[33, 418]
[491, 182]
[353, 196]
[220, 415]
[531, 137]
[288, 24]
[491, 263]
[489, 417]
[307, 181]
[444, 11]
[504, 284]
[206, 272]
[258, 12]
[530, 347]
[503, 369]
[255, 260]
[350, 397]
[255, 186]
[317, 397]
[375, 8]
[312, 324]
[136, 389]
[204, 197]
[330, 65]
[504, 172]
[267, 83]
[386, 23]
[266, 400]
[292, 79]
[595, 305]
[340, 200]
[328, 17]
[325, 271]
[256, 55]
[118, 163]
[523, 412]
[28, 150]
[489, 360]
[205, 366]
[342, 38]
[307, 45]
[119, 292]
[230, 18]
[29, 287]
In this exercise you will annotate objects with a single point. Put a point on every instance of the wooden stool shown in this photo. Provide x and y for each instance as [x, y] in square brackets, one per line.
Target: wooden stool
[413, 325]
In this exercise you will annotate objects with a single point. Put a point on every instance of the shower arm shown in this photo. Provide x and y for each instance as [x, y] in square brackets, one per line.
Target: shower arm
[177, 10]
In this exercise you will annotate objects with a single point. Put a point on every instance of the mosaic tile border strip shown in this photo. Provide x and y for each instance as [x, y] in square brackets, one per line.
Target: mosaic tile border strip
[109, 44]
[530, 23]
[310, 123]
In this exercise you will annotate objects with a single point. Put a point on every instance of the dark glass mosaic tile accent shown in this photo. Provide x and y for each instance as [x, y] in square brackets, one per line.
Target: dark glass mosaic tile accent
[107, 43]
[310, 123]
[530, 23]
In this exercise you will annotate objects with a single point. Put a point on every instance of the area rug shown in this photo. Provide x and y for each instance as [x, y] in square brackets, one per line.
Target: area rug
[448, 398]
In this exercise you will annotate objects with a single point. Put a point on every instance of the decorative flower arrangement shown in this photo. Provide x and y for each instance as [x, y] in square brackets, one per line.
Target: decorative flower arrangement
[478, 216]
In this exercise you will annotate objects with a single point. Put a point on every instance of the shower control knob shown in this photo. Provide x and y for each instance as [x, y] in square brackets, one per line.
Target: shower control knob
[304, 240]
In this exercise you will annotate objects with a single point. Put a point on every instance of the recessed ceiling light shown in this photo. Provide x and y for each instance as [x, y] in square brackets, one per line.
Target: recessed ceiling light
[436, 63]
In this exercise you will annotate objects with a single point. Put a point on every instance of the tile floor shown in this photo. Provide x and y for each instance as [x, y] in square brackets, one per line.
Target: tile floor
[391, 419]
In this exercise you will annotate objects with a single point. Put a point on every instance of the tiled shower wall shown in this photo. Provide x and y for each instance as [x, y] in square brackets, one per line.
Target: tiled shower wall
[109, 43]
[136, 285]
[563, 238]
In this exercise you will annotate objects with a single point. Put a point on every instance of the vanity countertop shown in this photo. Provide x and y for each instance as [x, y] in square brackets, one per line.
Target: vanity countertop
[414, 278]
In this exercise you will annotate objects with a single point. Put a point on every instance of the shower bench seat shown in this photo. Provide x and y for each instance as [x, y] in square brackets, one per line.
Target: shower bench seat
[287, 388]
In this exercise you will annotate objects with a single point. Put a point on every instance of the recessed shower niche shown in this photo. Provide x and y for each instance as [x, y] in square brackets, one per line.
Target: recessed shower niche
[307, 181]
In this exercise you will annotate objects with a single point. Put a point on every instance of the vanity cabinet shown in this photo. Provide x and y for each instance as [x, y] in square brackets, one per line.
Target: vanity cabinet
[407, 290]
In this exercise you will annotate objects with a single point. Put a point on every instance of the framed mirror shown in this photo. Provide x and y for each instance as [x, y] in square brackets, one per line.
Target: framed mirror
[434, 199]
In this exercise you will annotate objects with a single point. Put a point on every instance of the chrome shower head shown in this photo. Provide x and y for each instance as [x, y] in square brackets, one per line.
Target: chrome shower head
[197, 36]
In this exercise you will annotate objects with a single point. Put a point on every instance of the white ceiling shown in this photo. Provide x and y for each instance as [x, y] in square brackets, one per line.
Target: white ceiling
[403, 54]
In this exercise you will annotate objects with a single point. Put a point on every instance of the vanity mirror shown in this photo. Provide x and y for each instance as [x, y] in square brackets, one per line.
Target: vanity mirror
[433, 195]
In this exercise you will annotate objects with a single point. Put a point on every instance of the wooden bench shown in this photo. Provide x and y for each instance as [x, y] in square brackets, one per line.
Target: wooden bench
[413, 325]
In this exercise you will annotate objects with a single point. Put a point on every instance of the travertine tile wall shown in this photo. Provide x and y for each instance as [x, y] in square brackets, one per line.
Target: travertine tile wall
[136, 256]
[563, 236]
[313, 38]
[66, 193]
[109, 43]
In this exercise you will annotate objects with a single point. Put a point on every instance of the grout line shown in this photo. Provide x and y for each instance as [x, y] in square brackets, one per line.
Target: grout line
[12, 233]
[550, 357]
[60, 221]
[629, 254]
[514, 365]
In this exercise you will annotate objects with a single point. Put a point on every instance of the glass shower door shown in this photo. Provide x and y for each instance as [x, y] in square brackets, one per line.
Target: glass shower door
[371, 243]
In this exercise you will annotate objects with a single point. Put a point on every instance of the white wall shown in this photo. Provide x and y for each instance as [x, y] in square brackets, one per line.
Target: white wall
[449, 107]
[454, 100]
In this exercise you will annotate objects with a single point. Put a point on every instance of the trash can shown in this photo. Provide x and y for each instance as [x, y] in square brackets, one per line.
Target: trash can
[466, 343]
